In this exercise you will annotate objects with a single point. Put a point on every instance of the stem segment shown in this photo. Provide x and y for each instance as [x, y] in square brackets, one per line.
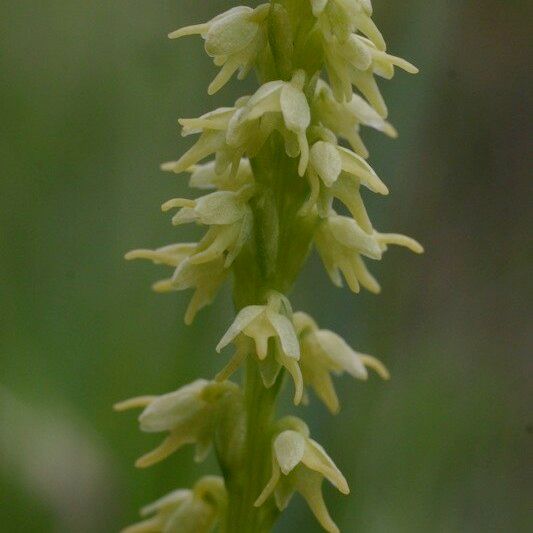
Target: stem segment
[243, 490]
[280, 245]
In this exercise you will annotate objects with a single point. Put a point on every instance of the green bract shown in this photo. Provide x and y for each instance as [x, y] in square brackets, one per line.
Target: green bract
[273, 170]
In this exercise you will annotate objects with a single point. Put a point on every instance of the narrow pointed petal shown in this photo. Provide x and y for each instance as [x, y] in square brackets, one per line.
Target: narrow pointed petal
[316, 458]
[270, 486]
[311, 490]
[196, 29]
[134, 403]
[165, 449]
[401, 240]
[376, 365]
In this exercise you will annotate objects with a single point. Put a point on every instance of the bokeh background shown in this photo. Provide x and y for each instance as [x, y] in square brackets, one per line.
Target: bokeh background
[90, 93]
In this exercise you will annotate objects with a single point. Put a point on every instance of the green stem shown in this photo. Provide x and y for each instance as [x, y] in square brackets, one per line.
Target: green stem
[244, 489]
[270, 262]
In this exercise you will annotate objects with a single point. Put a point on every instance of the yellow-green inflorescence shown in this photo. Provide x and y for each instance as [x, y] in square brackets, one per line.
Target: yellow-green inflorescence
[276, 166]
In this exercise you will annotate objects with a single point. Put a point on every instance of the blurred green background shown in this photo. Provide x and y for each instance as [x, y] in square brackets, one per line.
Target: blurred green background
[90, 93]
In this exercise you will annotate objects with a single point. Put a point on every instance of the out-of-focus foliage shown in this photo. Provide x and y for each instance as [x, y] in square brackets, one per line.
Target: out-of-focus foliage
[89, 99]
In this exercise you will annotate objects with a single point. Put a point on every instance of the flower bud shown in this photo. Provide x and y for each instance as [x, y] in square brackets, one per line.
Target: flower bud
[205, 278]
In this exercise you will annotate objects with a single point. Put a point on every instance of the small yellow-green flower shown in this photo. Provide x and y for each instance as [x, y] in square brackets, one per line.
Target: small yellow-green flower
[341, 242]
[300, 464]
[342, 18]
[185, 510]
[205, 278]
[325, 353]
[354, 62]
[327, 162]
[262, 323]
[233, 39]
[206, 177]
[287, 100]
[346, 118]
[229, 217]
[188, 415]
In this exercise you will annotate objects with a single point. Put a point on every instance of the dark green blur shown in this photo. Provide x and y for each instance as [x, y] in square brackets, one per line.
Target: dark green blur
[90, 93]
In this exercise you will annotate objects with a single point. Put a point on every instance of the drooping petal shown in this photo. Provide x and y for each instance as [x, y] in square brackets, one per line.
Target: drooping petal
[316, 458]
[285, 331]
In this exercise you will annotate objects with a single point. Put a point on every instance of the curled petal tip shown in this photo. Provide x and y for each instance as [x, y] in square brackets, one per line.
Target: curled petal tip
[143, 462]
[298, 396]
[390, 130]
[375, 364]
[416, 247]
[133, 403]
[136, 254]
[168, 166]
[335, 409]
[196, 29]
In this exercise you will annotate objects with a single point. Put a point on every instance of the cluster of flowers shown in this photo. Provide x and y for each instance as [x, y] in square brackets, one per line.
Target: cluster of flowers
[311, 115]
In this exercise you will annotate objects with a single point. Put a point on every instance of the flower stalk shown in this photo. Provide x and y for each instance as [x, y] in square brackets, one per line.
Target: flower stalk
[280, 171]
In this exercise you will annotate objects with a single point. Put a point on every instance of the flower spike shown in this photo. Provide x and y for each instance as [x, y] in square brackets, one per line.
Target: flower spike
[273, 167]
